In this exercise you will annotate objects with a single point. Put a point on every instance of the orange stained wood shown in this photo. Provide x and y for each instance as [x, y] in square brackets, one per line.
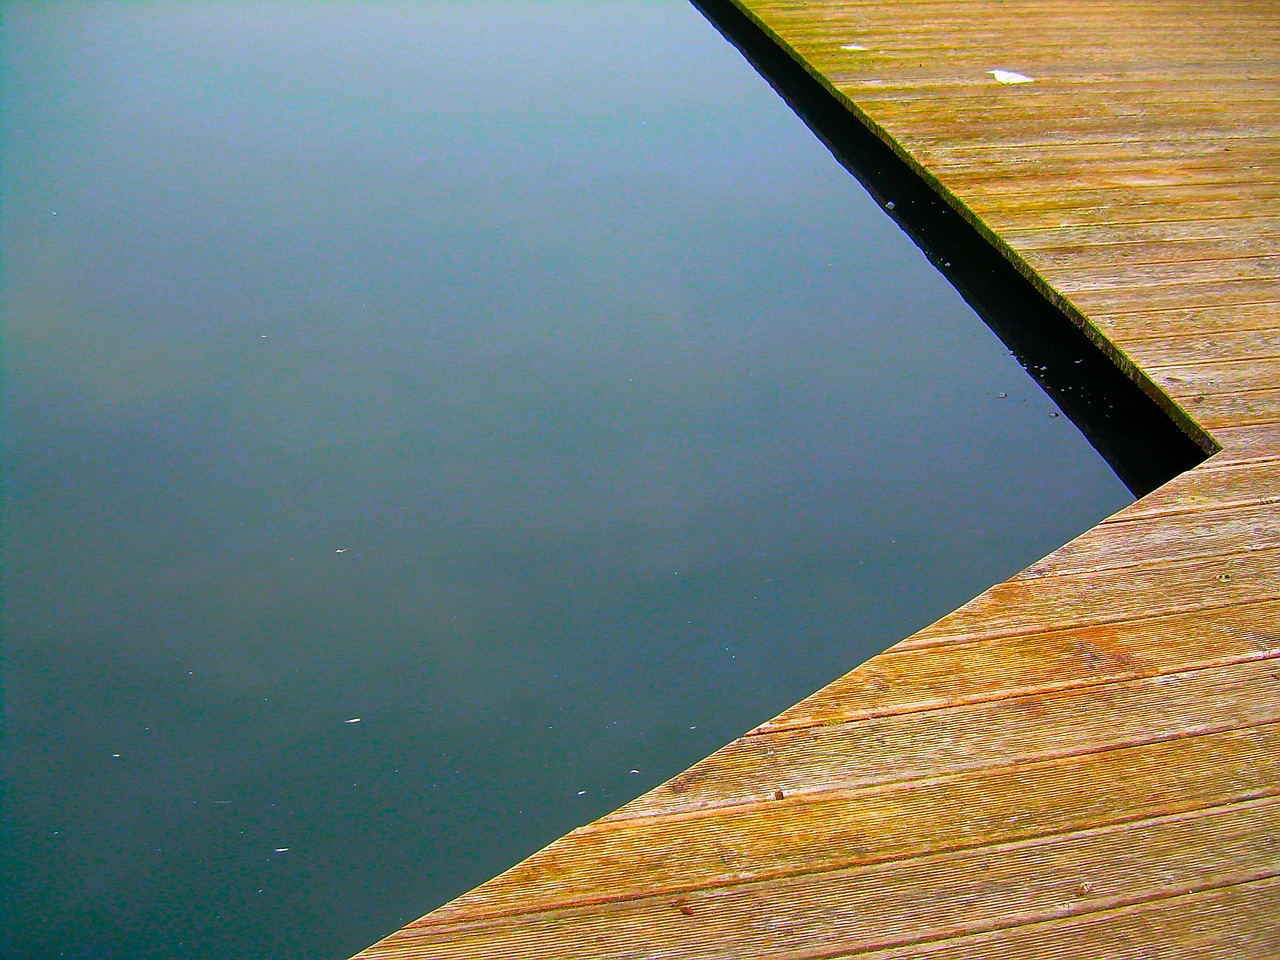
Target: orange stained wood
[1084, 761]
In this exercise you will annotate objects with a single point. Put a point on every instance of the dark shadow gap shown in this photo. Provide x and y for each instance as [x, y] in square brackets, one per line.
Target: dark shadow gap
[1139, 440]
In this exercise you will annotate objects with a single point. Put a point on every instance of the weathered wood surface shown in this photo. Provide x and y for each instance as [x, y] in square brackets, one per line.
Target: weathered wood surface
[1084, 761]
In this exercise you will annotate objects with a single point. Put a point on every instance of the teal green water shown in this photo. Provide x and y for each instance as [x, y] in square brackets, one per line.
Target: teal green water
[427, 426]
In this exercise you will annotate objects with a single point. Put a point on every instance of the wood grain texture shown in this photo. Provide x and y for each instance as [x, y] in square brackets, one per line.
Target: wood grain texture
[914, 678]
[944, 741]
[677, 855]
[1164, 352]
[1203, 925]
[895, 904]
[1082, 761]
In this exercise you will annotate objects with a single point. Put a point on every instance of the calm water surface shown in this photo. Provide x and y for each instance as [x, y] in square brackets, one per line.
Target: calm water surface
[520, 378]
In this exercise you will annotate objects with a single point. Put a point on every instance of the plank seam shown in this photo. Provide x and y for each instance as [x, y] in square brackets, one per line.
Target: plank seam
[1027, 842]
[1145, 311]
[1013, 633]
[1120, 521]
[1011, 693]
[1226, 462]
[1052, 759]
[1109, 567]
[1119, 906]
[1222, 364]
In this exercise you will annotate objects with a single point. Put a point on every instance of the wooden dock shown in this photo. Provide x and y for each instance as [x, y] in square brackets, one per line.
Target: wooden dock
[1084, 761]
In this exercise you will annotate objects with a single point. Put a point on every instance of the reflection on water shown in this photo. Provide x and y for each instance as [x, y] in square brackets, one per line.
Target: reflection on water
[430, 425]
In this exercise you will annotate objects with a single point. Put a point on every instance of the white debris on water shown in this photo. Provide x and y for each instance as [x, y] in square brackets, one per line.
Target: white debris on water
[1008, 76]
[353, 720]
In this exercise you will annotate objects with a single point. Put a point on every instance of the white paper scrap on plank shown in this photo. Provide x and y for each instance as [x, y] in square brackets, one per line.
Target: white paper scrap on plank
[1008, 76]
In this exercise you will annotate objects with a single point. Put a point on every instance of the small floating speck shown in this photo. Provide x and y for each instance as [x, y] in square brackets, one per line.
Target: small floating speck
[633, 771]
[1009, 76]
[353, 720]
[582, 793]
[343, 550]
[1002, 395]
[1055, 413]
[116, 755]
[890, 205]
[282, 849]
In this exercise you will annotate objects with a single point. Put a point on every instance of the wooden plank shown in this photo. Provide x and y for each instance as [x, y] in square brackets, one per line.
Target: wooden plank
[1240, 227]
[916, 677]
[1118, 221]
[1135, 253]
[1092, 177]
[1145, 540]
[1218, 375]
[874, 907]
[1077, 600]
[1138, 322]
[1194, 296]
[670, 856]
[1159, 352]
[967, 89]
[1228, 484]
[950, 740]
[1165, 67]
[1124, 275]
[1244, 444]
[1209, 925]
[1215, 411]
[881, 76]
[1006, 121]
[1030, 151]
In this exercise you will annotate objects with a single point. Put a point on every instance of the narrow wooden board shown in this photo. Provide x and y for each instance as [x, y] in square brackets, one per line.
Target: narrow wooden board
[908, 678]
[1122, 274]
[673, 856]
[1229, 923]
[1070, 601]
[1251, 247]
[891, 904]
[1213, 411]
[1160, 352]
[1133, 542]
[1244, 444]
[948, 740]
[1218, 375]
[1241, 227]
[1227, 484]
[1138, 322]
